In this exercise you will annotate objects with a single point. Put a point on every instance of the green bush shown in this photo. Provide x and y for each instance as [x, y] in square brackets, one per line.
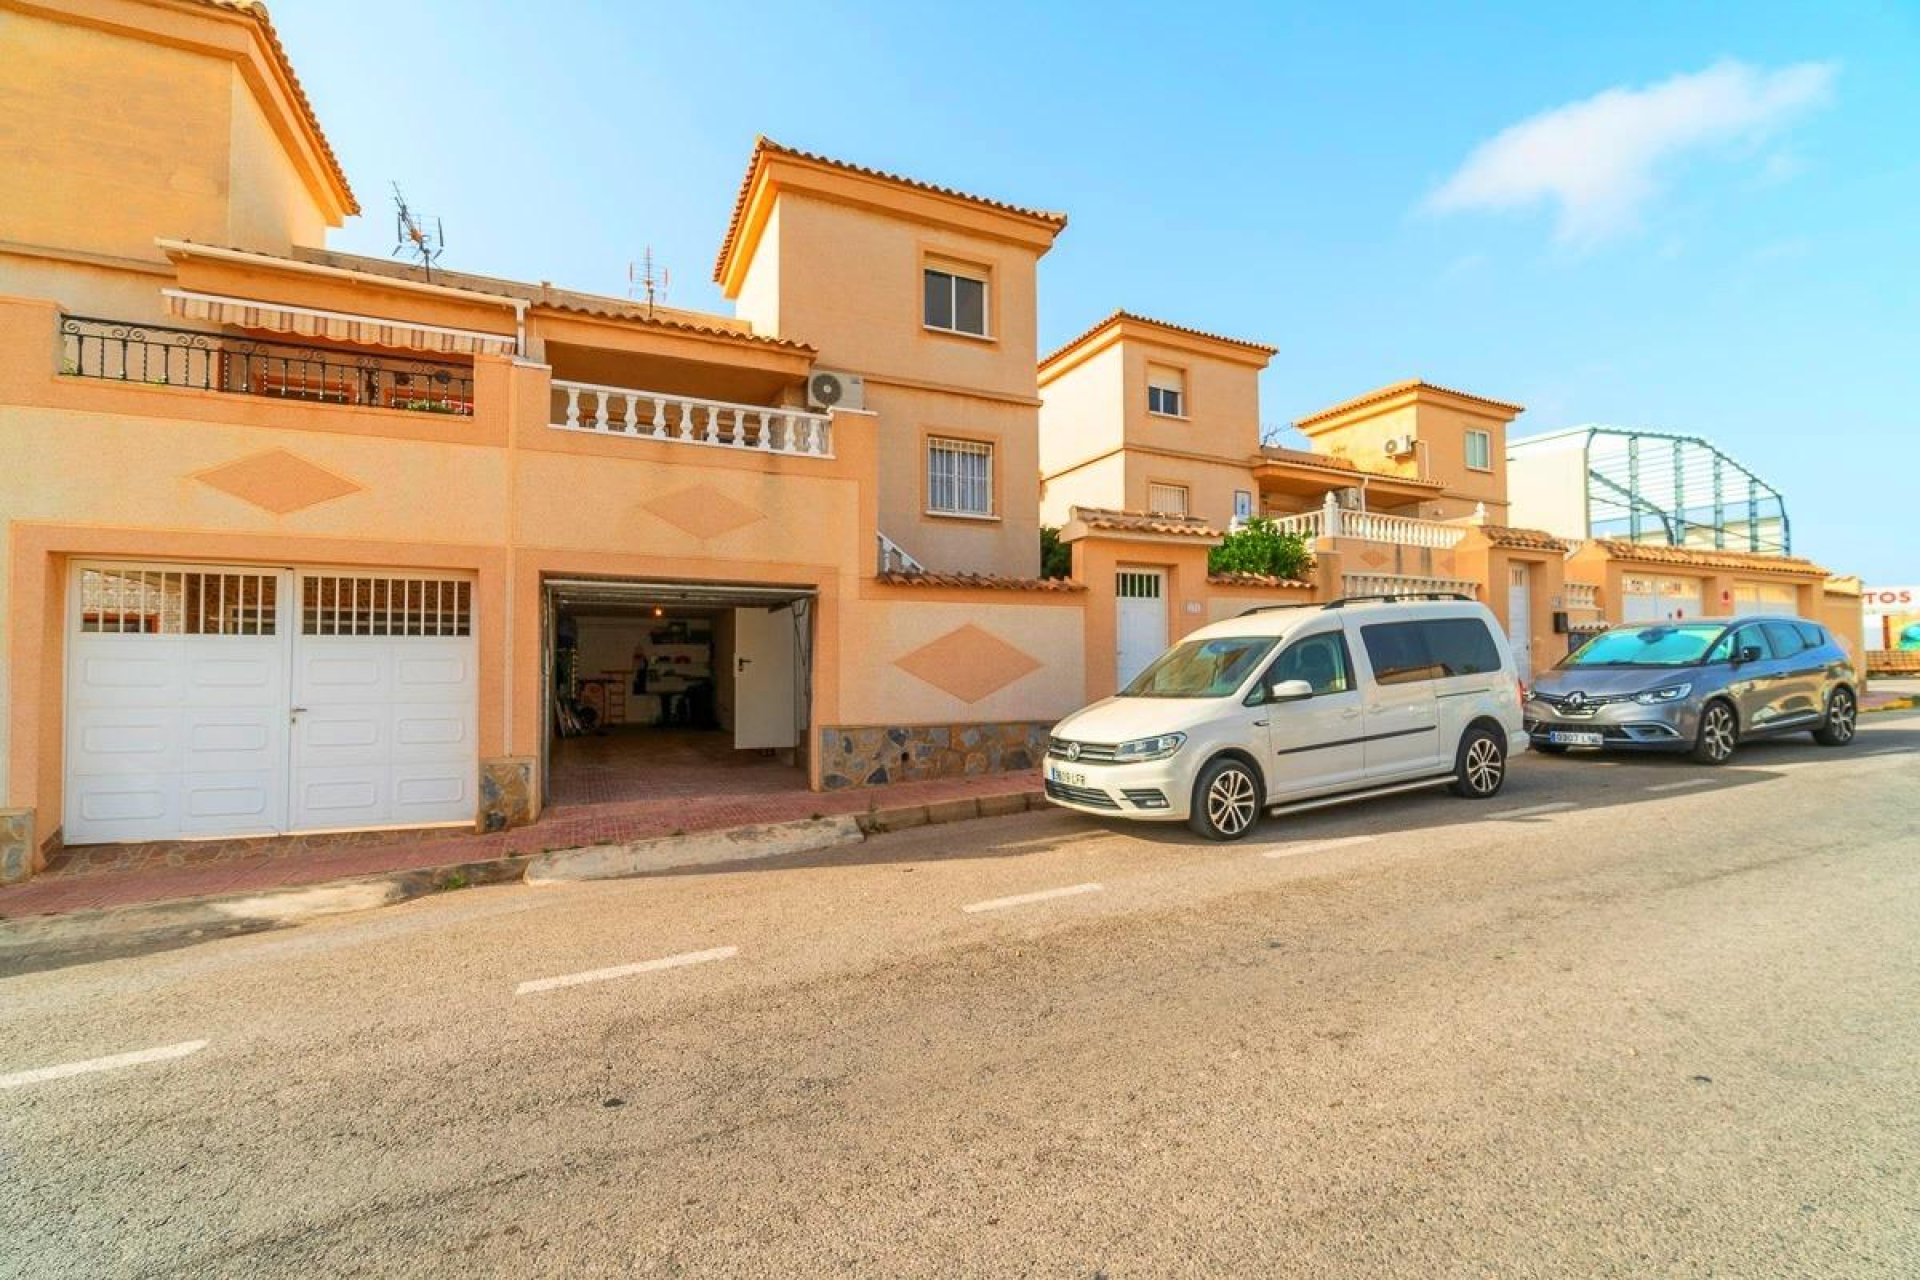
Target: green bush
[1056, 557]
[1258, 547]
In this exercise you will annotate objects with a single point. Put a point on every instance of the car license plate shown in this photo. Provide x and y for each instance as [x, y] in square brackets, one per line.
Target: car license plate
[1066, 779]
[1561, 738]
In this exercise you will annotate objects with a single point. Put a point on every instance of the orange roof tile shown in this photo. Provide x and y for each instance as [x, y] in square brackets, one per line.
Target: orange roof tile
[1121, 315]
[258, 13]
[1401, 388]
[1238, 579]
[764, 146]
[1501, 535]
[985, 581]
[1754, 561]
[1145, 522]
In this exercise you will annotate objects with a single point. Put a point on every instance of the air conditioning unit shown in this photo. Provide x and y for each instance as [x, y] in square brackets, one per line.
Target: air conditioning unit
[1349, 499]
[829, 390]
[1399, 446]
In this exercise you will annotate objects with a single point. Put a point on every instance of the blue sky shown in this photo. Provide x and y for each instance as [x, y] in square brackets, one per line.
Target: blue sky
[1690, 217]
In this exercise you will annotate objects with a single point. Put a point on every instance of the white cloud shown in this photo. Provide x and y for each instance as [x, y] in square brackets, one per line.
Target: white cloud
[1599, 158]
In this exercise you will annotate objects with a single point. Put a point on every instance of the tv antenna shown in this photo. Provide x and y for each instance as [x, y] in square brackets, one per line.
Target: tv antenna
[643, 279]
[412, 237]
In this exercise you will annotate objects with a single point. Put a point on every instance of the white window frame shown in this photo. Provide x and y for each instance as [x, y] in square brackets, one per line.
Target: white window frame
[955, 272]
[1158, 380]
[1486, 451]
[948, 495]
[1156, 488]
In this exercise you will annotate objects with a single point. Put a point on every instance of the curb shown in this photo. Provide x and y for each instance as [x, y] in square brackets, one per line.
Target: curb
[32, 943]
[1907, 703]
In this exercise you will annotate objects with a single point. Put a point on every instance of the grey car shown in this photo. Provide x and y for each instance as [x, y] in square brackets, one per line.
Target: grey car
[1701, 686]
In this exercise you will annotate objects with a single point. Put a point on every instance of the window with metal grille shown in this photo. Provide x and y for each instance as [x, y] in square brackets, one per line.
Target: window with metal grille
[361, 605]
[1136, 585]
[1167, 499]
[178, 602]
[959, 477]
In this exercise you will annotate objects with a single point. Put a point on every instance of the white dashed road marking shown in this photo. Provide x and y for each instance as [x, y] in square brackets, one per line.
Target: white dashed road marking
[1536, 810]
[626, 970]
[1022, 899]
[1314, 846]
[1682, 785]
[164, 1053]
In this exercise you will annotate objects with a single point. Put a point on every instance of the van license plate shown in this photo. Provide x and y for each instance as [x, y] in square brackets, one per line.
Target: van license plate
[1066, 779]
[1560, 739]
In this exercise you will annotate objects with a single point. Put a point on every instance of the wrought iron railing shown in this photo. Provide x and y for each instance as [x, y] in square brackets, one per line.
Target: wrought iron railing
[157, 355]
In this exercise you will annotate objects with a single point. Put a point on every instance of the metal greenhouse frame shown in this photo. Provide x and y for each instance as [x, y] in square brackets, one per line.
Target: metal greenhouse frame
[1659, 486]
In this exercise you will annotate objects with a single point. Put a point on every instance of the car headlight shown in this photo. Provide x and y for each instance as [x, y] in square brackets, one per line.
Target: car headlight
[1671, 693]
[1148, 748]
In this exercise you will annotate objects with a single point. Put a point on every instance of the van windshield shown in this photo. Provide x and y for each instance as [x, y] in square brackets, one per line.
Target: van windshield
[1201, 668]
[1659, 645]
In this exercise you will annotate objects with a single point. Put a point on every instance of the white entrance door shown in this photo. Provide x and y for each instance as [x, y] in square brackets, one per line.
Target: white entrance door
[1520, 618]
[385, 722]
[765, 714]
[176, 702]
[1140, 621]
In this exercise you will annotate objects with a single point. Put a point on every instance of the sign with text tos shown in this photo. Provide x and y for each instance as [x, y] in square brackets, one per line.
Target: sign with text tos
[1892, 617]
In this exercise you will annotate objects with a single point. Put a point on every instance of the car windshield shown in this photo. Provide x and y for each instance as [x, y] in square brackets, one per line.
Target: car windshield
[1201, 668]
[1660, 645]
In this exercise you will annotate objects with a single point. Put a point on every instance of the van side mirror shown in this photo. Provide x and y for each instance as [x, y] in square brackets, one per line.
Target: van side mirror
[1289, 691]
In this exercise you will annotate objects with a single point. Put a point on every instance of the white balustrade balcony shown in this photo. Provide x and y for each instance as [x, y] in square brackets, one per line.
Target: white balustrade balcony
[1395, 584]
[1335, 521]
[721, 424]
[1582, 595]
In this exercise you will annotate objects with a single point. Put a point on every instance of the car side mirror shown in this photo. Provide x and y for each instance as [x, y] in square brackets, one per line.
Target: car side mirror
[1289, 691]
[1747, 653]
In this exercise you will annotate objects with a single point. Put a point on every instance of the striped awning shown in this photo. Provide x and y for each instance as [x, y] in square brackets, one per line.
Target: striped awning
[335, 326]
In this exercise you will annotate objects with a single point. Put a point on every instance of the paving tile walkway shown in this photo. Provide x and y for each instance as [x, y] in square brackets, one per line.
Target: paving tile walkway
[197, 869]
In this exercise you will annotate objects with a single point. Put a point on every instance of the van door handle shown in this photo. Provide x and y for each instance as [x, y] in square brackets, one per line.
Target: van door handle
[1351, 713]
[1261, 724]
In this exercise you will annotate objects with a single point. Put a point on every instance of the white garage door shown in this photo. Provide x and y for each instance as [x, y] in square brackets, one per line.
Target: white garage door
[176, 703]
[384, 713]
[222, 701]
[1660, 599]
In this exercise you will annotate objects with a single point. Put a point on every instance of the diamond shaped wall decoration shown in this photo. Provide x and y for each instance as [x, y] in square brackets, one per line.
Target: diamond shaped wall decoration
[968, 662]
[277, 481]
[703, 511]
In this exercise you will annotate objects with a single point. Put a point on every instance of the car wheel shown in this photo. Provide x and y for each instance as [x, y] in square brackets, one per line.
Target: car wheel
[1843, 715]
[1226, 800]
[1480, 766]
[1718, 735]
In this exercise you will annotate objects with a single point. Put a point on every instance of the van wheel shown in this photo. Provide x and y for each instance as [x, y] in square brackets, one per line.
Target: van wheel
[1718, 734]
[1843, 715]
[1226, 800]
[1480, 766]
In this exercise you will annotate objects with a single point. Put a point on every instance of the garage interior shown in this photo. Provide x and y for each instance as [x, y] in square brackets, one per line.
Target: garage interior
[665, 689]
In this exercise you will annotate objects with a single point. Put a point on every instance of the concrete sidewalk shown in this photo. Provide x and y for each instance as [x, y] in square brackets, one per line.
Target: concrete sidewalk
[1892, 693]
[262, 867]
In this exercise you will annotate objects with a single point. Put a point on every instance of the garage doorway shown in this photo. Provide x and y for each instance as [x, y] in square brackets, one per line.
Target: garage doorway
[658, 690]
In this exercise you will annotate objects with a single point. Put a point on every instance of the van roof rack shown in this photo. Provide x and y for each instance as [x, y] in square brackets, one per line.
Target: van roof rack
[1347, 600]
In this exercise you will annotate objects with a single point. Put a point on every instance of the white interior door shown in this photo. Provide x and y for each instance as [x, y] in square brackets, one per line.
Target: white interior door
[764, 702]
[1140, 621]
[1520, 618]
[385, 692]
[176, 721]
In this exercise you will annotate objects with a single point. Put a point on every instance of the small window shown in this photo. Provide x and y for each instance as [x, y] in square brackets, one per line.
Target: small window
[1461, 647]
[1321, 660]
[955, 303]
[959, 477]
[1166, 391]
[1405, 652]
[1242, 504]
[178, 602]
[1167, 499]
[1398, 653]
[1814, 637]
[1724, 648]
[1480, 450]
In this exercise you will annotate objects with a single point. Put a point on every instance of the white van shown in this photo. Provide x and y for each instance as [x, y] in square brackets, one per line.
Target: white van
[1297, 706]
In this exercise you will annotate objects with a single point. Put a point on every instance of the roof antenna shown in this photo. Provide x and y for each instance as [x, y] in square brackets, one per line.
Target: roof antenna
[646, 280]
[412, 237]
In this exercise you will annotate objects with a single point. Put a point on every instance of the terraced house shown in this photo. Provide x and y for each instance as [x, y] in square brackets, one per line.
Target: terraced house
[296, 540]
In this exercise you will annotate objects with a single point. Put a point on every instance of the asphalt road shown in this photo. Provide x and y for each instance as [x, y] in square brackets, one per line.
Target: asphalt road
[1631, 1018]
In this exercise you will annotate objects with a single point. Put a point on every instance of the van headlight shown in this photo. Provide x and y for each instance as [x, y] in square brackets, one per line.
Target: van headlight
[1148, 748]
[1671, 693]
